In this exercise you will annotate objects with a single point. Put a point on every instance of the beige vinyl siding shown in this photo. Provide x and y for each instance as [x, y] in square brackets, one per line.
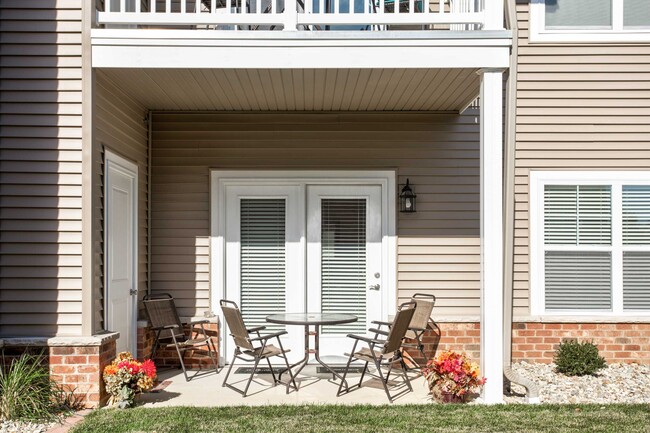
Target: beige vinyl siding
[579, 107]
[438, 246]
[40, 169]
[120, 126]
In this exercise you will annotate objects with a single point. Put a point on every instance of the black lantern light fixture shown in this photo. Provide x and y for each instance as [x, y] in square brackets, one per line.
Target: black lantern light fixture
[407, 199]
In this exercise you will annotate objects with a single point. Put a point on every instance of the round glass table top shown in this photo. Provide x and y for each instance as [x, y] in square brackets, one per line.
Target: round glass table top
[311, 318]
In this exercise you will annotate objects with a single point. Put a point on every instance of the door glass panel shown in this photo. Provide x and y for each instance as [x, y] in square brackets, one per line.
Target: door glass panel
[263, 260]
[343, 261]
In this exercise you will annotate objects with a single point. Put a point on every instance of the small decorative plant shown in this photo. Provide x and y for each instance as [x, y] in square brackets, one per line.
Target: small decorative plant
[578, 359]
[125, 377]
[451, 377]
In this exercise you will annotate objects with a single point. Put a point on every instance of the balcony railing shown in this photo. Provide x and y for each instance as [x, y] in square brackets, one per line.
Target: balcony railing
[295, 15]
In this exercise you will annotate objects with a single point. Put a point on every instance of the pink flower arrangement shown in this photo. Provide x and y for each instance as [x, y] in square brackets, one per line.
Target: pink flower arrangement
[125, 377]
[451, 376]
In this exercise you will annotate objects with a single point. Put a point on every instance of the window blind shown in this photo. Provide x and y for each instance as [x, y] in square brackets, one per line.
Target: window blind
[636, 214]
[577, 215]
[343, 261]
[263, 264]
[567, 14]
[636, 280]
[577, 280]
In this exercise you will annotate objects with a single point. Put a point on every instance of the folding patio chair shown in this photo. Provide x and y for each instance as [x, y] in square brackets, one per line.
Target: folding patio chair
[170, 332]
[253, 349]
[419, 322]
[379, 351]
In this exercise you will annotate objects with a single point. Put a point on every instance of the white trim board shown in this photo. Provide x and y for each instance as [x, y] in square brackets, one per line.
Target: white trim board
[536, 197]
[219, 179]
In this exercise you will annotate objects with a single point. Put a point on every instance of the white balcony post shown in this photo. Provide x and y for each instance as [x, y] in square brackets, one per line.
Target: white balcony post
[492, 233]
[290, 15]
[494, 15]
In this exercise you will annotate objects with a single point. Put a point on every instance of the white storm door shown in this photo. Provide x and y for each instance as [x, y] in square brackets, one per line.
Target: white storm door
[344, 258]
[120, 229]
[265, 241]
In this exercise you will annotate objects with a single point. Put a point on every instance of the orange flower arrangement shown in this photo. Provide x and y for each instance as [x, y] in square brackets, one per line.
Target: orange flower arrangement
[125, 377]
[451, 376]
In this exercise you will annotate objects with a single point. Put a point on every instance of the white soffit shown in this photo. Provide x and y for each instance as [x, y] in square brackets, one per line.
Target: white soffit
[299, 89]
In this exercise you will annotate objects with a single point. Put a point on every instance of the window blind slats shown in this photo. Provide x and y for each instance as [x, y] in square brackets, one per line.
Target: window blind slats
[263, 260]
[578, 280]
[636, 280]
[343, 261]
[577, 215]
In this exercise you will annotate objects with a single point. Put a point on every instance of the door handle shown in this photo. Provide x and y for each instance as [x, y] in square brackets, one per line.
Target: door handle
[133, 292]
[374, 287]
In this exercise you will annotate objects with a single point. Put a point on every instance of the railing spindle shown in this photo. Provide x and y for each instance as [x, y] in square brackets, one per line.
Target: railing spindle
[168, 6]
[138, 6]
[321, 7]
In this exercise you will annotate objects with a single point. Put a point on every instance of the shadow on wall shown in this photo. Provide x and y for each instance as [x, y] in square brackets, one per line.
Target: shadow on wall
[40, 262]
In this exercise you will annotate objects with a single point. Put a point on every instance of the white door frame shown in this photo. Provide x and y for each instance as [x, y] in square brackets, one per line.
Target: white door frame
[219, 179]
[130, 169]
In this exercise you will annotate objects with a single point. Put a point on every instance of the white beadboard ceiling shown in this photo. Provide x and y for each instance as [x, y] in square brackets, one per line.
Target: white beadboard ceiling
[299, 89]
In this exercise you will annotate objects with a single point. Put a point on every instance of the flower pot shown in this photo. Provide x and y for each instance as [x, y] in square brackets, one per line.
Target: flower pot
[448, 397]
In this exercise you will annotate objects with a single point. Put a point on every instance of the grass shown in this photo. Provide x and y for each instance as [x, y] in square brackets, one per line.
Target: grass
[402, 419]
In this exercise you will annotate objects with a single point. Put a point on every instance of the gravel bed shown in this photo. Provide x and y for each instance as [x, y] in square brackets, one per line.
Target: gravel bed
[616, 383]
[25, 427]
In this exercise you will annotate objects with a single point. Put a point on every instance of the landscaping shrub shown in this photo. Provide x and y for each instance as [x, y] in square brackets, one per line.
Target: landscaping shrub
[27, 392]
[578, 359]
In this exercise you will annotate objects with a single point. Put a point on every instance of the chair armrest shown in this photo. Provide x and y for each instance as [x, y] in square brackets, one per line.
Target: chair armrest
[255, 329]
[366, 339]
[416, 329]
[269, 336]
[167, 327]
[381, 322]
[378, 331]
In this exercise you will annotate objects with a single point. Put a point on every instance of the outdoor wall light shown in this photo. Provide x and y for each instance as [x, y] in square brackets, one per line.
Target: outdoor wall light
[407, 199]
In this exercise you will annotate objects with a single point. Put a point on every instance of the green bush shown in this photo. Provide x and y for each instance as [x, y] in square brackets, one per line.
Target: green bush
[27, 392]
[578, 359]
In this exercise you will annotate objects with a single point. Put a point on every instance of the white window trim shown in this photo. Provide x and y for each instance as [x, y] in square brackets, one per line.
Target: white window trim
[539, 33]
[538, 179]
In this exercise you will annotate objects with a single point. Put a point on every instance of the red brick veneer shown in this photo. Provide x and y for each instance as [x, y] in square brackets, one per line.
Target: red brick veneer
[169, 357]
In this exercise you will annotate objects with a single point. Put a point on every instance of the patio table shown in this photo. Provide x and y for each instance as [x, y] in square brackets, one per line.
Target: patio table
[316, 320]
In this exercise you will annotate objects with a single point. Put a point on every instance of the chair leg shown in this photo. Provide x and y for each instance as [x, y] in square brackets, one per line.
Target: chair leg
[406, 378]
[421, 347]
[250, 379]
[180, 357]
[363, 373]
[211, 353]
[384, 382]
[229, 370]
[345, 373]
[268, 361]
[292, 378]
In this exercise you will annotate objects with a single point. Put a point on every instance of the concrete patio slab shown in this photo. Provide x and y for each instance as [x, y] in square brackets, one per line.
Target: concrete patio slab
[313, 388]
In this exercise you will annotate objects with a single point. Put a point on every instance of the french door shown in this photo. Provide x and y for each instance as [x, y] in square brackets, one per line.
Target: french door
[305, 247]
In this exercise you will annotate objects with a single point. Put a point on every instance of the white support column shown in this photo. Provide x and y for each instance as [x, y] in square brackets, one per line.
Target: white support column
[492, 234]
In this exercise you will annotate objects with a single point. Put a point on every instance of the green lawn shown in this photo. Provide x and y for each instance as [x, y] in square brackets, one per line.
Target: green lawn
[371, 419]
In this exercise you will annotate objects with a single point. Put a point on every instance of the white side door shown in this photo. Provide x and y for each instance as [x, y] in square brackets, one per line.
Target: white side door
[344, 258]
[120, 231]
[265, 242]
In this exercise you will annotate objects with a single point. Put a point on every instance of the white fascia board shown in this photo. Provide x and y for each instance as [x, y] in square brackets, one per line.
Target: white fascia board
[133, 48]
[316, 56]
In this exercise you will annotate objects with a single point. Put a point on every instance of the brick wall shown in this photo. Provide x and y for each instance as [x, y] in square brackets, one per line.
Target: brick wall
[617, 342]
[537, 342]
[169, 358]
[76, 366]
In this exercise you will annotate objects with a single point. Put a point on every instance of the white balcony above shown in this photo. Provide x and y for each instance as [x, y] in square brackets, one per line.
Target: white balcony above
[304, 15]
[307, 34]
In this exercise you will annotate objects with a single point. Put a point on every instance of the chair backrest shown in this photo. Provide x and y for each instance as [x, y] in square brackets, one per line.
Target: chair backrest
[423, 310]
[161, 311]
[236, 325]
[400, 325]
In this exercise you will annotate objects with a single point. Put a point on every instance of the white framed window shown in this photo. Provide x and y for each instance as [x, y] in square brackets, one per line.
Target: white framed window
[590, 21]
[590, 243]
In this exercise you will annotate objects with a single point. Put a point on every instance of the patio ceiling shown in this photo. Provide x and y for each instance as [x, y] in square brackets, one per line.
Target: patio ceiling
[299, 89]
